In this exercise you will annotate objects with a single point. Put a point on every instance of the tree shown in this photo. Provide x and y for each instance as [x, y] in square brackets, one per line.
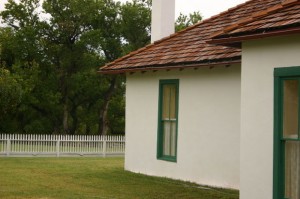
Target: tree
[135, 24]
[10, 96]
[58, 57]
[69, 21]
[50, 53]
[184, 21]
[53, 49]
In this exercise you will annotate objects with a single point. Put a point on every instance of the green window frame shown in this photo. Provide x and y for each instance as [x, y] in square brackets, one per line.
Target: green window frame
[285, 79]
[167, 120]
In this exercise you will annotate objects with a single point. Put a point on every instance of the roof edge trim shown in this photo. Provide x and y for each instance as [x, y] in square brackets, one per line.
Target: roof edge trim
[228, 41]
[181, 66]
[255, 16]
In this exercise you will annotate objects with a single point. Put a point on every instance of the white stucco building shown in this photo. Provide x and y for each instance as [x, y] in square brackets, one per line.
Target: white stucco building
[218, 103]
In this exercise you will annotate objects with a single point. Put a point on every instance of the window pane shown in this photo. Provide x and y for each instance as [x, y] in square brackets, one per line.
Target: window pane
[169, 138]
[290, 109]
[292, 169]
[166, 102]
[173, 102]
[173, 138]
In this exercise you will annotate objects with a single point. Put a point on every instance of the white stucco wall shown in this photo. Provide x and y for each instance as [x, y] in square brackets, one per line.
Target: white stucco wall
[259, 58]
[208, 125]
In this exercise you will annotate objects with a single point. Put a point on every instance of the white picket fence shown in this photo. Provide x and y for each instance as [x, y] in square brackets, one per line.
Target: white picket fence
[21, 145]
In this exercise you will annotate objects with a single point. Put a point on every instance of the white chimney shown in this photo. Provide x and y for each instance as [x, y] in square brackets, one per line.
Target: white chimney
[163, 19]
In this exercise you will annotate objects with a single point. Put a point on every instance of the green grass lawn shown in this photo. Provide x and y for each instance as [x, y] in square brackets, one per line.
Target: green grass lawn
[72, 178]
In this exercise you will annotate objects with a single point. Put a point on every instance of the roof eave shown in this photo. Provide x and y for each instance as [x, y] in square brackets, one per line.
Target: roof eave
[237, 40]
[236, 60]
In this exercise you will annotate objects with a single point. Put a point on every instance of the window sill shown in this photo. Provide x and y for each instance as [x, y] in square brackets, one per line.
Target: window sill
[169, 159]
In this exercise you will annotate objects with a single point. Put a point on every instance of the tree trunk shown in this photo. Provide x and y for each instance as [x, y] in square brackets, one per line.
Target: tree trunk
[74, 126]
[64, 92]
[87, 129]
[103, 117]
[65, 117]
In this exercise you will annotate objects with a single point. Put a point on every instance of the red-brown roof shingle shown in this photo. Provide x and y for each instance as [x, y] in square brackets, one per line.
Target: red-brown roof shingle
[283, 18]
[188, 47]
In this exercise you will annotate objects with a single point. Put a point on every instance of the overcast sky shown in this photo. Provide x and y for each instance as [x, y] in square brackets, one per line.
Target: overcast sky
[207, 8]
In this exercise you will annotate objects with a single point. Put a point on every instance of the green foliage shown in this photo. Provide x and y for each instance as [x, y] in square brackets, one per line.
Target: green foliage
[184, 21]
[57, 59]
[135, 24]
[49, 57]
[10, 93]
[116, 114]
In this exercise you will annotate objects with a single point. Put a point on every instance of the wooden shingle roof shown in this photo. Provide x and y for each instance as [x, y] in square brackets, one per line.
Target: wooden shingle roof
[189, 48]
[281, 19]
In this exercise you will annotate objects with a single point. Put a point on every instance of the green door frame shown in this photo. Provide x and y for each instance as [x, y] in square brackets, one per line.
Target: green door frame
[278, 165]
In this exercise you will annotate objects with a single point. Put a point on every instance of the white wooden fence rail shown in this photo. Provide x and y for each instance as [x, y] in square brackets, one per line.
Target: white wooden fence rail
[61, 145]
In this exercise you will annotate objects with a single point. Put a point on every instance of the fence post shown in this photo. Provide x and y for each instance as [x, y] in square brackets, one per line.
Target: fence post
[57, 147]
[104, 145]
[8, 147]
